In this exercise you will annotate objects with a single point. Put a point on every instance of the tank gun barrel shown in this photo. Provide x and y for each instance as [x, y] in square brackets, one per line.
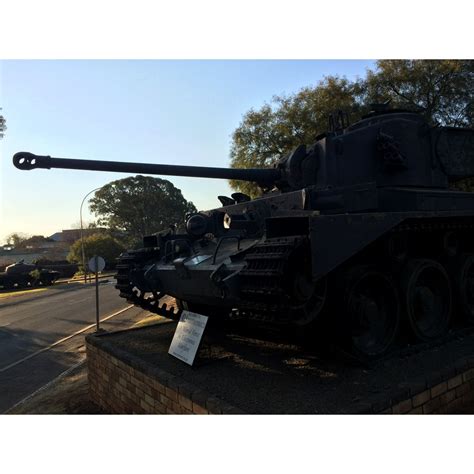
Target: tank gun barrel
[264, 177]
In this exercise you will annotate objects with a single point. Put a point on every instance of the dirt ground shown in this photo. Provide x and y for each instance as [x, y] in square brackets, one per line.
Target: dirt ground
[66, 396]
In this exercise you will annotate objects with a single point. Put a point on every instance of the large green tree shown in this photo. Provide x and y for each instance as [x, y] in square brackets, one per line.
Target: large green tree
[441, 90]
[139, 206]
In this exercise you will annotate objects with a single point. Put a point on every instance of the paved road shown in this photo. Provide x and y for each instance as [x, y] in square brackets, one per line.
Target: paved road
[32, 322]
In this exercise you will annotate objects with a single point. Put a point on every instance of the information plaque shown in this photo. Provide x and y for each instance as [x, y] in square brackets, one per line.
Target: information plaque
[187, 336]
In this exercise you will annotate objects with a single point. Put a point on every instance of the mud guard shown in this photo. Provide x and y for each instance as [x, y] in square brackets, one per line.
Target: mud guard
[336, 238]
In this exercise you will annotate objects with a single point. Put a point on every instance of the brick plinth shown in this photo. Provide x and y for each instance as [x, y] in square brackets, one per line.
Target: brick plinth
[450, 396]
[131, 375]
[122, 383]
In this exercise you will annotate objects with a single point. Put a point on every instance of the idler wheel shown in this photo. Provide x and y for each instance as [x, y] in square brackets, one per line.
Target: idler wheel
[371, 307]
[461, 269]
[426, 292]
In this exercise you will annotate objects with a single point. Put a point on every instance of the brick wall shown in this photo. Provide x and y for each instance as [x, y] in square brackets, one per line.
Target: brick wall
[121, 383]
[451, 396]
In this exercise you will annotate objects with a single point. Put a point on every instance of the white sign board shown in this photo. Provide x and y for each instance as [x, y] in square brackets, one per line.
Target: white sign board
[92, 264]
[187, 336]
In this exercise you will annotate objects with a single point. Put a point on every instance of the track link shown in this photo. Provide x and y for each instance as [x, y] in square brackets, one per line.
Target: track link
[132, 287]
[264, 279]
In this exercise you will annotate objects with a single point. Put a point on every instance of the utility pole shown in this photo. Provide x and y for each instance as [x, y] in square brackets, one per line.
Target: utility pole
[82, 234]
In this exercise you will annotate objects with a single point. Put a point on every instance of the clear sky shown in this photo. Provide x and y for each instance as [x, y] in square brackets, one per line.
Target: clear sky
[176, 112]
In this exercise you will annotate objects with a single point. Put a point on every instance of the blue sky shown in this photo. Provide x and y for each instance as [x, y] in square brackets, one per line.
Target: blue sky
[178, 112]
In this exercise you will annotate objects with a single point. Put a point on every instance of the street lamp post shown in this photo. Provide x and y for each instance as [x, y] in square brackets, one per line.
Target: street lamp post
[82, 234]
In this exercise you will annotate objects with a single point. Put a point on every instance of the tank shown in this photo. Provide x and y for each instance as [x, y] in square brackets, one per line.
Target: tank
[361, 228]
[23, 275]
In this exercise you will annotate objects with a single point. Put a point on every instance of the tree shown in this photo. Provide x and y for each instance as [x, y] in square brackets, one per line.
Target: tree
[20, 240]
[139, 206]
[16, 239]
[266, 134]
[3, 125]
[105, 246]
[35, 241]
[442, 90]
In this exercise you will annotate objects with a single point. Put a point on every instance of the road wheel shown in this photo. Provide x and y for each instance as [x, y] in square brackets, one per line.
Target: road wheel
[308, 299]
[450, 243]
[371, 308]
[461, 270]
[426, 295]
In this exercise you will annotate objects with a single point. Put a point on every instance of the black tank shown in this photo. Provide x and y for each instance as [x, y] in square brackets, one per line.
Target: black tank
[26, 275]
[362, 228]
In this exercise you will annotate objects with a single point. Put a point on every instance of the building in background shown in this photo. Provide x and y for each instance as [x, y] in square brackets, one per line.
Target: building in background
[69, 236]
[54, 248]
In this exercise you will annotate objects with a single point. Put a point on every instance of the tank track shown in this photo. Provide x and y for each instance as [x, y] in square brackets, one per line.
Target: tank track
[263, 281]
[265, 277]
[129, 263]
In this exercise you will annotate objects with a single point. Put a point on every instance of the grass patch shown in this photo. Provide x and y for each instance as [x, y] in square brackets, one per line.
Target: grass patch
[152, 319]
[21, 292]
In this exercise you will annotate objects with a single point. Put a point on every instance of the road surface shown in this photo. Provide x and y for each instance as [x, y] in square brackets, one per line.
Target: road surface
[32, 324]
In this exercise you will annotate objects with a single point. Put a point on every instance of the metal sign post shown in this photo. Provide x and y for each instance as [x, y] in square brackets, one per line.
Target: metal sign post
[97, 321]
[96, 264]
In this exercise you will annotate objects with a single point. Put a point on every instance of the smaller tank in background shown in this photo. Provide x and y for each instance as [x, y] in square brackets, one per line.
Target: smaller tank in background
[26, 275]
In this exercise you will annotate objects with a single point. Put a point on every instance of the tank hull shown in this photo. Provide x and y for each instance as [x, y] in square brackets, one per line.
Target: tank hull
[300, 270]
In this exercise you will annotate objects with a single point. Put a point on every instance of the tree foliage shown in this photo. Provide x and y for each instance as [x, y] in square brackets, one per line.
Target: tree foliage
[441, 90]
[276, 128]
[16, 239]
[102, 245]
[20, 240]
[35, 241]
[139, 206]
[3, 125]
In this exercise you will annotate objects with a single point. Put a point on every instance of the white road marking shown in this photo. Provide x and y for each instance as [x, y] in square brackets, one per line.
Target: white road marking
[80, 300]
[47, 348]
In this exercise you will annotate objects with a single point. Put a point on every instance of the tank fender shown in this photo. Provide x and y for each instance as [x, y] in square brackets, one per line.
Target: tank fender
[336, 238]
